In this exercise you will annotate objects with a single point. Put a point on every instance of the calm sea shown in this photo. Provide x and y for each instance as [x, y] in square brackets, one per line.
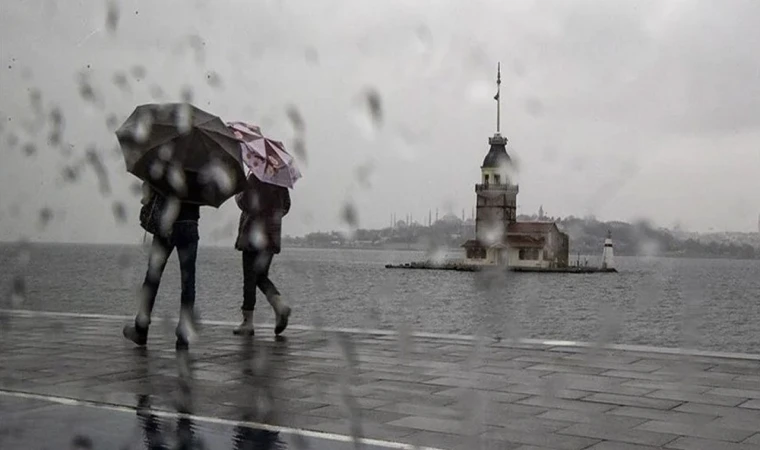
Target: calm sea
[694, 303]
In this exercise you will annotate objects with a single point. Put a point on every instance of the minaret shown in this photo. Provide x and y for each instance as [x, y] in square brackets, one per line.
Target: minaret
[608, 258]
[496, 205]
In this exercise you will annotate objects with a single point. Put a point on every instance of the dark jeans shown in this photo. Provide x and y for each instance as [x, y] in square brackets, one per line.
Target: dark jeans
[256, 274]
[185, 239]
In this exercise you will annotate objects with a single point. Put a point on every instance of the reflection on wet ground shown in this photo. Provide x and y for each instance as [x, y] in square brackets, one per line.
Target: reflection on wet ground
[389, 390]
[30, 423]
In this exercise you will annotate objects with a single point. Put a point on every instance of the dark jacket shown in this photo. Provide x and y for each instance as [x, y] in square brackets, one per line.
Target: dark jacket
[263, 206]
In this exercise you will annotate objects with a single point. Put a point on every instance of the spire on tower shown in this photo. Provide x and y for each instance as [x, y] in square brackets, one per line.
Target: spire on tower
[497, 97]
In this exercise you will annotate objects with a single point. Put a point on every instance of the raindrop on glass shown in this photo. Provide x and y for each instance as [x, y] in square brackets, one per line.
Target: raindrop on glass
[119, 212]
[93, 158]
[46, 215]
[187, 95]
[296, 119]
[184, 118]
[143, 127]
[138, 72]
[29, 149]
[112, 16]
[121, 81]
[213, 79]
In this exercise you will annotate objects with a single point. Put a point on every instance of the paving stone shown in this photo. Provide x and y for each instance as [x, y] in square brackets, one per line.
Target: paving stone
[428, 424]
[627, 400]
[549, 440]
[612, 445]
[691, 443]
[575, 405]
[751, 404]
[738, 422]
[680, 386]
[705, 431]
[708, 399]
[508, 392]
[744, 393]
[494, 396]
[585, 417]
[723, 411]
[754, 440]
[665, 416]
[619, 434]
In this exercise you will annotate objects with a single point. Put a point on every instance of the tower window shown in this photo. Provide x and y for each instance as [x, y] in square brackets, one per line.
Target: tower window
[497, 179]
[485, 178]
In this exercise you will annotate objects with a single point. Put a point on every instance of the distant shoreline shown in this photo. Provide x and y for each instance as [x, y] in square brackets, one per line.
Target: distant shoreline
[398, 248]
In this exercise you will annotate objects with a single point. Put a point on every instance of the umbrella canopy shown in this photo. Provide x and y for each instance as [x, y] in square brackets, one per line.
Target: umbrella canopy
[266, 158]
[183, 152]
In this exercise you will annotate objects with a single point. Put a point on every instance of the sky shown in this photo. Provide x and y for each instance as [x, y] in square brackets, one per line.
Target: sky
[624, 110]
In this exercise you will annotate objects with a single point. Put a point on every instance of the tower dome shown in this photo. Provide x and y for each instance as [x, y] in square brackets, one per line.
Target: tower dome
[497, 156]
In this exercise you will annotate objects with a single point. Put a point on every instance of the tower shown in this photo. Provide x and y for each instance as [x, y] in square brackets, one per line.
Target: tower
[608, 258]
[496, 205]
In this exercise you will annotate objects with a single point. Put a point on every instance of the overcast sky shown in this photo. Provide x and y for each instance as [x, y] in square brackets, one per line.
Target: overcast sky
[621, 109]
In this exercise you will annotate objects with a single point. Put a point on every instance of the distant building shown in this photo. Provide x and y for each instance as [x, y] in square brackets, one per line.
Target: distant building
[499, 238]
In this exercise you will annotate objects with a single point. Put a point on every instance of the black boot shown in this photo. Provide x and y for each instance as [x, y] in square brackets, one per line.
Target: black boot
[136, 334]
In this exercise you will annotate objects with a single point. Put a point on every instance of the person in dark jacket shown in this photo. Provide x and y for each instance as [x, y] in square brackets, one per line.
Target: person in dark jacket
[262, 206]
[174, 225]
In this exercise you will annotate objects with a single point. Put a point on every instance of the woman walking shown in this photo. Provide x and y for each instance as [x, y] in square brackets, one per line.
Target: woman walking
[173, 225]
[262, 206]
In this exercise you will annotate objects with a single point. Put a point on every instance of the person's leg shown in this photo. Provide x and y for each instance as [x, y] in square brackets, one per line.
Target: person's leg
[281, 310]
[160, 250]
[250, 281]
[187, 252]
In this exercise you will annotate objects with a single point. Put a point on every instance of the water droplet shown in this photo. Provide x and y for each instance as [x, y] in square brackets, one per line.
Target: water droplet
[157, 169]
[169, 214]
[29, 149]
[86, 91]
[18, 290]
[46, 215]
[184, 118]
[296, 119]
[35, 98]
[213, 79]
[112, 122]
[121, 81]
[187, 94]
[257, 237]
[350, 216]
[363, 174]
[138, 72]
[112, 16]
[369, 113]
[216, 176]
[70, 174]
[93, 158]
[136, 189]
[299, 149]
[534, 107]
[156, 92]
[424, 39]
[176, 178]
[12, 140]
[119, 212]
[311, 55]
[143, 127]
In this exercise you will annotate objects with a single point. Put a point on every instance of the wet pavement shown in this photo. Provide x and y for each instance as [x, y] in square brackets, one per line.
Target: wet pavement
[73, 382]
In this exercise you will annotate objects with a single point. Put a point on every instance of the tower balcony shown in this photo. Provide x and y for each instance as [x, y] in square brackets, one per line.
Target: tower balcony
[483, 187]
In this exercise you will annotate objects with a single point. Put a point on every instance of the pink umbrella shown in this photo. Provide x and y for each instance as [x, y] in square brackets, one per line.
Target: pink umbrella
[266, 158]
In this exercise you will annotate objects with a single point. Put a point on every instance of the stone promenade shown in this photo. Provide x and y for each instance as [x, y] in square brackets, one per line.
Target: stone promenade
[447, 392]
